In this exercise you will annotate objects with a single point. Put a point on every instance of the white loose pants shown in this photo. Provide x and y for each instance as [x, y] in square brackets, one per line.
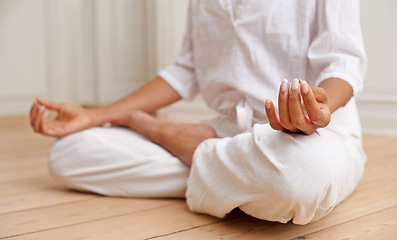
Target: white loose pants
[268, 174]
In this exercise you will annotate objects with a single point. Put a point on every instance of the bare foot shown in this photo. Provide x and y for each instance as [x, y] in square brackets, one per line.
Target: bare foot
[181, 139]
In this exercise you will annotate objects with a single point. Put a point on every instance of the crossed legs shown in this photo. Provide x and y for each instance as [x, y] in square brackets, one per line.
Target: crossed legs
[180, 139]
[269, 174]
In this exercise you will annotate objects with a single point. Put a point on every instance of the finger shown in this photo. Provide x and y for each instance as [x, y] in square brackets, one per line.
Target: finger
[56, 106]
[313, 109]
[34, 118]
[319, 93]
[298, 118]
[33, 112]
[31, 109]
[283, 111]
[47, 128]
[44, 124]
[272, 116]
[38, 119]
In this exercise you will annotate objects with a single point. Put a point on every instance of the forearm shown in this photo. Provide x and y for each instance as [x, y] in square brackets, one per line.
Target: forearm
[338, 91]
[152, 96]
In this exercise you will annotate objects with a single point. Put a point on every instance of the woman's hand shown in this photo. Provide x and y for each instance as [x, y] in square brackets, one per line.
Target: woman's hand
[70, 118]
[295, 116]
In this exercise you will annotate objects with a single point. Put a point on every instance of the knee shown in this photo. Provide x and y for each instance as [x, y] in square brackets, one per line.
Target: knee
[302, 195]
[305, 193]
[65, 158]
[303, 178]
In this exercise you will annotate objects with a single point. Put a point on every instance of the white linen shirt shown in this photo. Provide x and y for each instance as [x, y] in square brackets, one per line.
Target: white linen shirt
[237, 60]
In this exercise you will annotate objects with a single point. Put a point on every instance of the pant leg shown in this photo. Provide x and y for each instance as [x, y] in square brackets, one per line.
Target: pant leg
[274, 175]
[117, 162]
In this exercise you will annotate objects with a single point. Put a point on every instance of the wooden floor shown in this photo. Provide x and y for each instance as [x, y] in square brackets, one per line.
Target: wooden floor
[34, 206]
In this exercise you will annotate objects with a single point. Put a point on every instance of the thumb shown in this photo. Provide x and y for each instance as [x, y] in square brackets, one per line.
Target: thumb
[320, 94]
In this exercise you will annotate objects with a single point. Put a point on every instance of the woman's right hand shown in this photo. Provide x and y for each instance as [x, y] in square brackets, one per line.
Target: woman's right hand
[70, 118]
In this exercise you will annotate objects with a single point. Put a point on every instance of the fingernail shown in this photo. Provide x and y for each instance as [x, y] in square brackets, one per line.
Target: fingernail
[305, 87]
[295, 84]
[268, 104]
[284, 85]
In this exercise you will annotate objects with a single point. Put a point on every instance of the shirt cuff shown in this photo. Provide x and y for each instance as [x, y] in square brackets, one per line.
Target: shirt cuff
[346, 77]
[181, 80]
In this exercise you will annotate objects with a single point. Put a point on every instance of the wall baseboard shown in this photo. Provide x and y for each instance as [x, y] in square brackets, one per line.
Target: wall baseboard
[378, 125]
[18, 106]
[378, 113]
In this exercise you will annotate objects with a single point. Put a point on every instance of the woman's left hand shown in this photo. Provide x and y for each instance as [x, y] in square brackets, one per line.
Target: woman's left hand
[295, 116]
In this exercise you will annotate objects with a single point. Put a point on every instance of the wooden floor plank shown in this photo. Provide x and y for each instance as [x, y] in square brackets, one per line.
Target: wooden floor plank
[19, 140]
[379, 225]
[39, 199]
[32, 160]
[84, 211]
[380, 165]
[139, 225]
[23, 173]
[29, 185]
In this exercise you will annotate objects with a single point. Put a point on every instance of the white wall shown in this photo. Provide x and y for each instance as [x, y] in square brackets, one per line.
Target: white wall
[77, 51]
[378, 102]
[120, 38]
[169, 20]
[23, 66]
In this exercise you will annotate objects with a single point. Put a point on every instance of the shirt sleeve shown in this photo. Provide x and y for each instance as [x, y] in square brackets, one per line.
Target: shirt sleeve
[181, 75]
[337, 49]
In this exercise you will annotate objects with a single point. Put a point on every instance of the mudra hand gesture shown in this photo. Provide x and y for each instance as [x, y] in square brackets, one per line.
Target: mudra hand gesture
[295, 116]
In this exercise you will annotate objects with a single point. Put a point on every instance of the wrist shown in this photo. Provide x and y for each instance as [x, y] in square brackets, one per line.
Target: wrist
[99, 116]
[338, 91]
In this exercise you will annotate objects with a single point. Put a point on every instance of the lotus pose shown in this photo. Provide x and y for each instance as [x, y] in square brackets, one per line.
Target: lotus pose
[279, 150]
